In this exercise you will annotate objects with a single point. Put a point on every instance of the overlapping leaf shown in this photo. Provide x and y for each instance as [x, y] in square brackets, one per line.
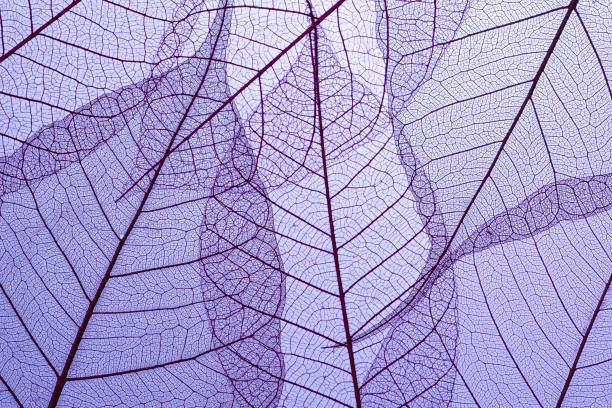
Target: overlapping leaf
[111, 280]
[382, 204]
[515, 141]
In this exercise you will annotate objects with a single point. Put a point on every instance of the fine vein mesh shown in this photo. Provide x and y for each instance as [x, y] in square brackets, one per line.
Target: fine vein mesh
[409, 208]
[378, 236]
[166, 329]
[518, 309]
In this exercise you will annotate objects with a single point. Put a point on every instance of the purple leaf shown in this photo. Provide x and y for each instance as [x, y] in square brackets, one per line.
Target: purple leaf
[375, 203]
[111, 280]
[513, 311]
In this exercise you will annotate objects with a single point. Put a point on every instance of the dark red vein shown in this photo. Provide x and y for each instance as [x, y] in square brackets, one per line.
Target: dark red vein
[10, 390]
[518, 115]
[40, 350]
[54, 239]
[38, 31]
[286, 380]
[254, 78]
[153, 367]
[600, 62]
[318, 114]
[585, 337]
[570, 8]
[61, 382]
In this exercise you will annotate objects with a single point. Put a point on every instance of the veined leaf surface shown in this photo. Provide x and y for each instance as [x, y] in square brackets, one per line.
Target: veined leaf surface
[368, 203]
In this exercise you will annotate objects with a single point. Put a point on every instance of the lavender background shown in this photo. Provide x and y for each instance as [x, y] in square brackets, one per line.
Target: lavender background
[368, 203]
